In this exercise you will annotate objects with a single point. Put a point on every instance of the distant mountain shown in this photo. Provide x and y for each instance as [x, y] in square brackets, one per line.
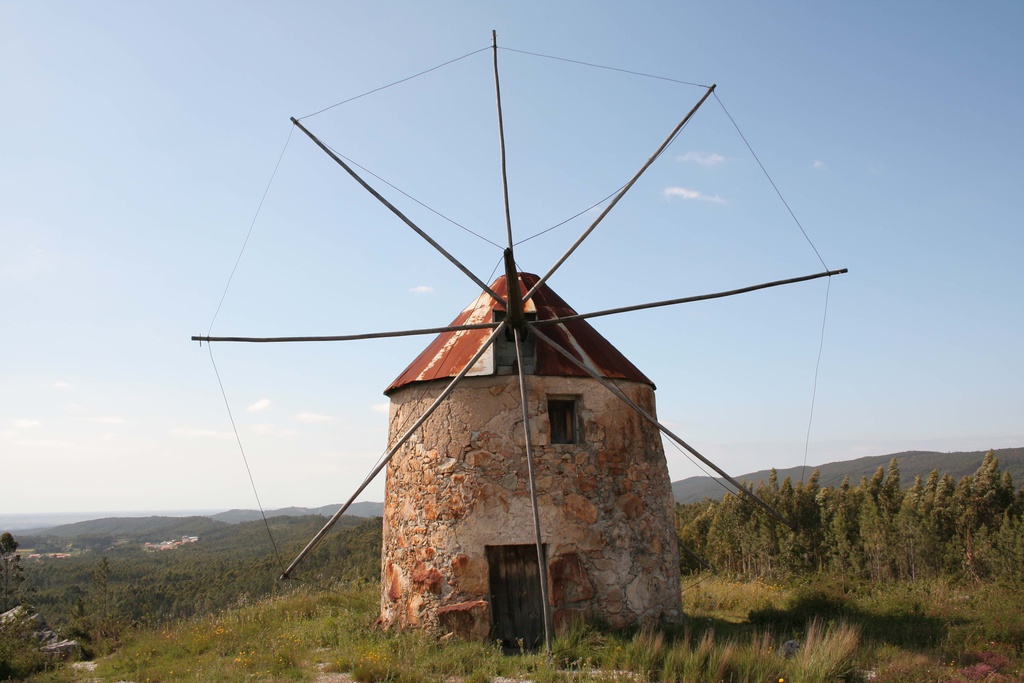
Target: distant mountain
[70, 524]
[131, 526]
[912, 463]
[31, 522]
[125, 536]
[367, 509]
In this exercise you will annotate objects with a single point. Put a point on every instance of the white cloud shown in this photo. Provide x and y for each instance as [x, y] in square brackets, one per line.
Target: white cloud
[190, 432]
[702, 158]
[818, 165]
[259, 405]
[27, 424]
[73, 446]
[106, 420]
[271, 430]
[380, 408]
[60, 384]
[313, 417]
[687, 193]
[422, 289]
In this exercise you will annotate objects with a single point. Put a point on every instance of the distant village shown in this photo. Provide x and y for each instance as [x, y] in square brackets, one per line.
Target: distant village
[55, 556]
[172, 545]
[161, 545]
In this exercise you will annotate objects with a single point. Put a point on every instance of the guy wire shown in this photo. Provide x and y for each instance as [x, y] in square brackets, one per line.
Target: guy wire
[601, 66]
[401, 80]
[410, 197]
[772, 182]
[571, 218]
[249, 233]
[821, 343]
[245, 460]
[599, 202]
[814, 386]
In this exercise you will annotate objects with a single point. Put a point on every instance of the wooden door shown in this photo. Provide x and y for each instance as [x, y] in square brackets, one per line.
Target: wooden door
[517, 613]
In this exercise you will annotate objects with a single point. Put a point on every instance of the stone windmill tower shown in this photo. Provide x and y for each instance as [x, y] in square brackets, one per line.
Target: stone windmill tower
[460, 550]
[526, 478]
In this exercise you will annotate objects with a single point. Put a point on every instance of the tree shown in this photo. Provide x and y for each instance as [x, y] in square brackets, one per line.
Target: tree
[101, 596]
[909, 530]
[841, 525]
[12, 571]
[982, 499]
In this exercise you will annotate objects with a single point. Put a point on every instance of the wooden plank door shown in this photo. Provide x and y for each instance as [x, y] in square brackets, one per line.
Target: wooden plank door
[517, 613]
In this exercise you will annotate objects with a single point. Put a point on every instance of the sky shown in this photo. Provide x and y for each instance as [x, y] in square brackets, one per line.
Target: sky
[147, 148]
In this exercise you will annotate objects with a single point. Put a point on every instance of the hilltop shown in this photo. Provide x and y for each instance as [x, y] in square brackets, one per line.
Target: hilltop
[367, 509]
[911, 463]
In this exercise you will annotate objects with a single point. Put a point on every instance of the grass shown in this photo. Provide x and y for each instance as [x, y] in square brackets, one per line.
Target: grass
[927, 631]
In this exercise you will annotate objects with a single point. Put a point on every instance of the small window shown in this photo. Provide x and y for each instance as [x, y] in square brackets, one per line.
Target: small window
[564, 421]
[505, 360]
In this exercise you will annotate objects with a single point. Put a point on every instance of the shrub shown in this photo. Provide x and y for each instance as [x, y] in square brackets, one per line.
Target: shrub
[827, 652]
[19, 651]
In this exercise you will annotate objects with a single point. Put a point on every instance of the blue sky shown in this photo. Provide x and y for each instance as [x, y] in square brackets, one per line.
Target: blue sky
[137, 140]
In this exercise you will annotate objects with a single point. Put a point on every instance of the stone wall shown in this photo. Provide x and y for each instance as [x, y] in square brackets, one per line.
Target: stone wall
[461, 484]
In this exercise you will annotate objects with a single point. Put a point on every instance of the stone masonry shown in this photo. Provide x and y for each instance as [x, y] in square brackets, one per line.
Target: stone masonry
[461, 484]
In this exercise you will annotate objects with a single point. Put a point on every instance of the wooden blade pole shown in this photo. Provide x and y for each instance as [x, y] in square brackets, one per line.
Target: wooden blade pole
[691, 299]
[501, 141]
[665, 430]
[621, 193]
[379, 197]
[541, 559]
[394, 449]
[348, 337]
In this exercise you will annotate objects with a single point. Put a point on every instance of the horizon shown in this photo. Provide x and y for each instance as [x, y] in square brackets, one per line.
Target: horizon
[87, 515]
[155, 189]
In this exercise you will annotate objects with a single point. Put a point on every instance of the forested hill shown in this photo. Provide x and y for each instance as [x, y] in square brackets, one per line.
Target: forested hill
[73, 524]
[367, 509]
[911, 464]
[105, 579]
[113, 534]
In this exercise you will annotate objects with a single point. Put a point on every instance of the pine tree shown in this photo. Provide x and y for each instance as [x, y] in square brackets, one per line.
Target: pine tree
[1009, 557]
[981, 500]
[13, 574]
[803, 548]
[890, 495]
[909, 531]
[842, 529]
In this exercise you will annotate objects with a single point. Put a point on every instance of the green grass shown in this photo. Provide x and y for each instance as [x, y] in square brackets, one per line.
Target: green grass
[926, 631]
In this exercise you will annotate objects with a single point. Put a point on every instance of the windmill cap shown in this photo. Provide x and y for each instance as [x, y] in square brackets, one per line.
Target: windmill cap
[450, 352]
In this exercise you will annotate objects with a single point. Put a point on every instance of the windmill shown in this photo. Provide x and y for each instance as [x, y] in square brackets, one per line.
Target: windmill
[526, 483]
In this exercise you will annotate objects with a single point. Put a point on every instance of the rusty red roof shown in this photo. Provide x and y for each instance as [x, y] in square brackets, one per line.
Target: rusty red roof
[449, 353]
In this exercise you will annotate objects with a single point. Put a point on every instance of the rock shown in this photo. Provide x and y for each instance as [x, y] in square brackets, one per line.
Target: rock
[467, 620]
[580, 509]
[62, 648]
[35, 627]
[569, 581]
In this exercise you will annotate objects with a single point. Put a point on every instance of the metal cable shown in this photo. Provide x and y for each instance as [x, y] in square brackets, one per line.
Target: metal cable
[814, 387]
[772, 182]
[572, 218]
[402, 80]
[245, 460]
[251, 226]
[409, 196]
[601, 66]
